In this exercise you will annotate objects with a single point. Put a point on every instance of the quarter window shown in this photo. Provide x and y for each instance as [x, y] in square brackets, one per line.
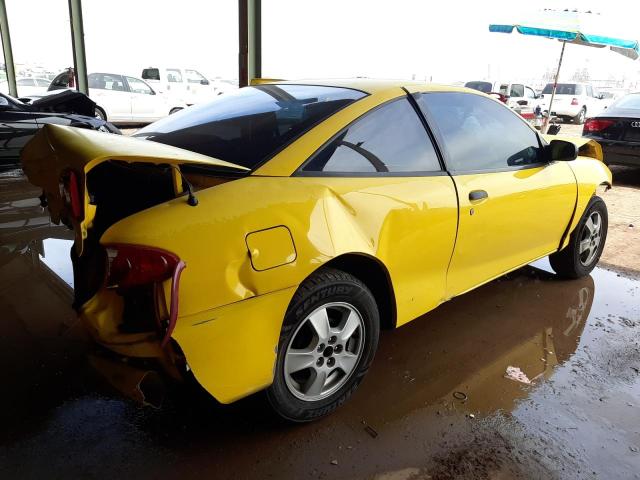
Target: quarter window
[480, 133]
[389, 139]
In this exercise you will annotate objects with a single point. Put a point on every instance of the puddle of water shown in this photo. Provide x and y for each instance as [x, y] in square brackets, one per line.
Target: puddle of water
[576, 340]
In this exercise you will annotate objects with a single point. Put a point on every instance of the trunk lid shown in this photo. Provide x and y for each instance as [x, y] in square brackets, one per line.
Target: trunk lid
[57, 151]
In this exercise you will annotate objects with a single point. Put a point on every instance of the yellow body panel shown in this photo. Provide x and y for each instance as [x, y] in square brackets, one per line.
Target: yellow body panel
[250, 242]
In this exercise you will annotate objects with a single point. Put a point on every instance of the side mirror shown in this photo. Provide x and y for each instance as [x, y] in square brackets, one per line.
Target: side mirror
[204, 81]
[561, 151]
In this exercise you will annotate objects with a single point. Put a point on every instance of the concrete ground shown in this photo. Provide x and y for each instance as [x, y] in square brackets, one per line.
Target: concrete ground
[435, 405]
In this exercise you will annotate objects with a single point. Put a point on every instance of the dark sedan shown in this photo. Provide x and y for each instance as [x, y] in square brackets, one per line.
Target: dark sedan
[617, 129]
[19, 121]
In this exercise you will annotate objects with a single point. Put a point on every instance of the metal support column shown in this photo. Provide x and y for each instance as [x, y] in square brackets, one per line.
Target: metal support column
[77, 43]
[7, 50]
[250, 41]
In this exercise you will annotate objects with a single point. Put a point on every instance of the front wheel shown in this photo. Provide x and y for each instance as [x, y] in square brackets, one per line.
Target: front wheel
[586, 243]
[328, 340]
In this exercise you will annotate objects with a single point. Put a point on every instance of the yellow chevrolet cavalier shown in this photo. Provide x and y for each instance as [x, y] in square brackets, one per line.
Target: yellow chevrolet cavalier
[262, 240]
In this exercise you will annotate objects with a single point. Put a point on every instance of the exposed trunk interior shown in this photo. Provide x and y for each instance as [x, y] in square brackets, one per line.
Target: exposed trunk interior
[118, 190]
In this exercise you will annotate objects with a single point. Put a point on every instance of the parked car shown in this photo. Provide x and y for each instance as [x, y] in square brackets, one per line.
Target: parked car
[122, 99]
[573, 101]
[617, 130]
[292, 221]
[518, 96]
[27, 86]
[184, 84]
[19, 121]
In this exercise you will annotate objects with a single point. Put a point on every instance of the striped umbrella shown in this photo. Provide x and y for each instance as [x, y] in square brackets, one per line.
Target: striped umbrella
[571, 26]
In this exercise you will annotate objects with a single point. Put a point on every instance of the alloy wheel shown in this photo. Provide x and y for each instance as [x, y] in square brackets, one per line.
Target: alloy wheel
[324, 351]
[590, 238]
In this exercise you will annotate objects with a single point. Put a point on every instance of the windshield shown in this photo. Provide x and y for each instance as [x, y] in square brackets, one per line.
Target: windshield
[563, 89]
[484, 87]
[249, 126]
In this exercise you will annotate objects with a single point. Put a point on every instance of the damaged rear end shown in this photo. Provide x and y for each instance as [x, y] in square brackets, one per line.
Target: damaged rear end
[127, 295]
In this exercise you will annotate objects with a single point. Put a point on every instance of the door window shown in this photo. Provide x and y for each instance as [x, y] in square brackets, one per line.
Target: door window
[389, 139]
[138, 86]
[107, 81]
[529, 93]
[194, 77]
[174, 75]
[517, 90]
[479, 133]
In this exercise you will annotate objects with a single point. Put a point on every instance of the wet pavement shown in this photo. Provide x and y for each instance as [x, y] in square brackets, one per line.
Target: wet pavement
[435, 404]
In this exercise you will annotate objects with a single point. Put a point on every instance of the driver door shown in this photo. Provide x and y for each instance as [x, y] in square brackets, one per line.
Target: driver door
[513, 207]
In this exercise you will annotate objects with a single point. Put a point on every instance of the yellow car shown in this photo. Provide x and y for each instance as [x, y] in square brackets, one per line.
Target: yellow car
[262, 240]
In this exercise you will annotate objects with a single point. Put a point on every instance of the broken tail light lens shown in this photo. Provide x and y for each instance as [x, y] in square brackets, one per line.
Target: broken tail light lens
[71, 191]
[134, 265]
[595, 125]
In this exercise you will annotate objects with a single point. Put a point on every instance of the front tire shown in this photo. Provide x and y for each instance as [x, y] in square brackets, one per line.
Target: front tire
[586, 243]
[99, 113]
[327, 343]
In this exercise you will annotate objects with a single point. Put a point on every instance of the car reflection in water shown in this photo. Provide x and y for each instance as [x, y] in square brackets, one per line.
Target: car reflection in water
[528, 319]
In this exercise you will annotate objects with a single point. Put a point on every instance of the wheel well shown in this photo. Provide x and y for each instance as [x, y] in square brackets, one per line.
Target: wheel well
[376, 277]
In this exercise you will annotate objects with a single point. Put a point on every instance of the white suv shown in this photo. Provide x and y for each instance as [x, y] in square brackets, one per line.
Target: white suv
[183, 84]
[574, 101]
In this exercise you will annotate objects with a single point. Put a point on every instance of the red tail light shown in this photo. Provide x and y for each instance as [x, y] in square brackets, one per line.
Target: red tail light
[134, 265]
[71, 191]
[594, 125]
[574, 101]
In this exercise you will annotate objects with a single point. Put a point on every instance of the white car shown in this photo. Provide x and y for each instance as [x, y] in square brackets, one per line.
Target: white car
[185, 84]
[28, 86]
[122, 99]
[518, 96]
[574, 101]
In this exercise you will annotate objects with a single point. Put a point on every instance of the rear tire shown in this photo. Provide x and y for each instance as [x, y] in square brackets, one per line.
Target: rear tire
[99, 113]
[580, 118]
[586, 243]
[327, 343]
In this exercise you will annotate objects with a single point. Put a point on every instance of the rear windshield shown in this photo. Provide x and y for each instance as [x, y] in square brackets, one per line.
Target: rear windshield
[480, 86]
[248, 126]
[631, 101]
[151, 74]
[563, 89]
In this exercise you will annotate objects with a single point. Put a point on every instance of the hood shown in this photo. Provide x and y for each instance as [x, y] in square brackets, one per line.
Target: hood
[57, 150]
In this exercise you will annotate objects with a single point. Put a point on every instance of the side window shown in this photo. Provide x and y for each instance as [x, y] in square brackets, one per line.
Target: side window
[174, 75]
[517, 90]
[529, 93]
[389, 139]
[578, 90]
[138, 86]
[479, 133]
[107, 81]
[194, 77]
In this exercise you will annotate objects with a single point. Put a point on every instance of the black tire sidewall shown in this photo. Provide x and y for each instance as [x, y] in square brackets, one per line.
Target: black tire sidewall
[341, 288]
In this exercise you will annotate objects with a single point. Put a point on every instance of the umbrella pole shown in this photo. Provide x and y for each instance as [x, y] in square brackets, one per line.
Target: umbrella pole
[555, 85]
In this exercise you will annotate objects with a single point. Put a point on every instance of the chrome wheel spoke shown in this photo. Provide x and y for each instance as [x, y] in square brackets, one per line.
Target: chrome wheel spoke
[319, 320]
[350, 325]
[585, 245]
[589, 225]
[298, 360]
[316, 383]
[347, 362]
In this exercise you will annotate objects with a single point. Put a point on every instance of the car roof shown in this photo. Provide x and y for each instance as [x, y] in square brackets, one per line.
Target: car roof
[372, 86]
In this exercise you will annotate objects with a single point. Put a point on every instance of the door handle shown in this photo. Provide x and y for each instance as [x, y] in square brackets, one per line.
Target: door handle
[476, 195]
